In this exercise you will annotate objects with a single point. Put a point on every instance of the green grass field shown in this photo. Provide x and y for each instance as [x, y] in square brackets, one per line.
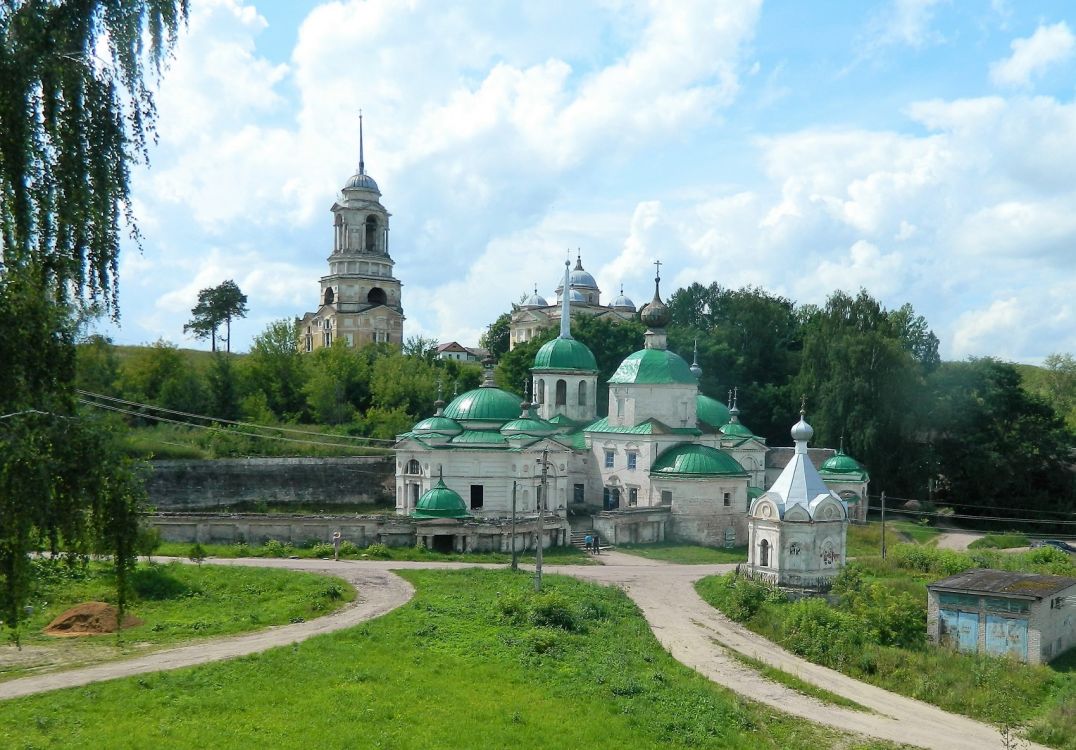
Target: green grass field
[177, 603]
[475, 661]
[552, 556]
[992, 689]
[685, 554]
[1001, 541]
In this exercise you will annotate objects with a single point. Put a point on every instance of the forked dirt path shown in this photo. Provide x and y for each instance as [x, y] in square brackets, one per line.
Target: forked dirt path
[692, 631]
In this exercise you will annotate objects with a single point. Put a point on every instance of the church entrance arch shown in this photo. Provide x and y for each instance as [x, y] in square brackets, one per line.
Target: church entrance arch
[377, 296]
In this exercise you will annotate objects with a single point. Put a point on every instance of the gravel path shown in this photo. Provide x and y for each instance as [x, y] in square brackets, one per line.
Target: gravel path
[958, 540]
[692, 631]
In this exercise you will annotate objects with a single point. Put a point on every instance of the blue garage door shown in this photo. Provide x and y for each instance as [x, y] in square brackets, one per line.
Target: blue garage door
[959, 629]
[1006, 636]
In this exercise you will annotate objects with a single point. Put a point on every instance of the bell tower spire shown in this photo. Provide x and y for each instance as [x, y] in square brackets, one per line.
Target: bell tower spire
[362, 162]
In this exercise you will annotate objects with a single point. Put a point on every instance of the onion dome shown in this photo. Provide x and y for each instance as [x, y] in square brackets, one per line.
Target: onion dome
[653, 366]
[693, 460]
[437, 425]
[801, 431]
[734, 428]
[535, 300]
[711, 411]
[488, 404]
[655, 314]
[440, 502]
[623, 303]
[565, 354]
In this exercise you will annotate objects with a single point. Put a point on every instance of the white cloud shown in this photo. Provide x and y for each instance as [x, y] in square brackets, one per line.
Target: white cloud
[1030, 57]
[905, 23]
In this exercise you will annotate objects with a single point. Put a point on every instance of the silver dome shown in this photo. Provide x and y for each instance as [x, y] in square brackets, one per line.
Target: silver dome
[535, 300]
[623, 302]
[361, 181]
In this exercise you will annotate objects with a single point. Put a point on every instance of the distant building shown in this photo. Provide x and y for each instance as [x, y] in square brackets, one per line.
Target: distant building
[1027, 616]
[535, 314]
[360, 299]
[460, 353]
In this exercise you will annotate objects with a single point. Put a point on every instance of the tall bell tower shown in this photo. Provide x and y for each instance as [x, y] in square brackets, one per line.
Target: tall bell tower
[360, 297]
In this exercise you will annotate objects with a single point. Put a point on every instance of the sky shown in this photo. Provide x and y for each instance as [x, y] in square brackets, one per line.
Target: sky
[921, 149]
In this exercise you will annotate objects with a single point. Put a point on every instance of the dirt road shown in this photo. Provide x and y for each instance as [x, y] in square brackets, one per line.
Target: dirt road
[692, 631]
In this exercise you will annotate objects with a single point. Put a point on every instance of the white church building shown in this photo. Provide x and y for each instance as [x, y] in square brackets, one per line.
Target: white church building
[667, 462]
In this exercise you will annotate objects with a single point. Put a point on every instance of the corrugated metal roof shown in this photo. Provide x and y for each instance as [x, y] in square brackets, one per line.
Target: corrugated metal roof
[989, 581]
[649, 427]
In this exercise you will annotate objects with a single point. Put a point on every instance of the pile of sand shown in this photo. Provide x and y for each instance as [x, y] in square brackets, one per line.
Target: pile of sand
[89, 618]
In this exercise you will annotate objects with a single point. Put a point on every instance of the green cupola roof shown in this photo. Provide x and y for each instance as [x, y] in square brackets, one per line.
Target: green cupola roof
[440, 502]
[565, 354]
[653, 366]
[486, 404]
[693, 460]
[711, 411]
[437, 424]
[843, 466]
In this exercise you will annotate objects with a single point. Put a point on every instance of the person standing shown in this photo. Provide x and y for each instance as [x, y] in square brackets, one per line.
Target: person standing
[337, 536]
[588, 541]
[595, 545]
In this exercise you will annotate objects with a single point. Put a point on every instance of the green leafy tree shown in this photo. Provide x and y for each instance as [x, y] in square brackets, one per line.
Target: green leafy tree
[217, 306]
[496, 339]
[1055, 383]
[862, 380]
[74, 116]
[420, 347]
[402, 382]
[97, 366]
[274, 368]
[223, 388]
[144, 375]
[990, 441]
[337, 380]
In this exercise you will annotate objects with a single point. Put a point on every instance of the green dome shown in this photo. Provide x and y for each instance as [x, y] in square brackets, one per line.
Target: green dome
[528, 426]
[654, 366]
[484, 404]
[440, 502]
[711, 411]
[690, 459]
[440, 425]
[841, 464]
[565, 354]
[736, 429]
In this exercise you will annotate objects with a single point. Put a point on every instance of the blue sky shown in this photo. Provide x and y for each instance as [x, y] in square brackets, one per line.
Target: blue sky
[922, 149]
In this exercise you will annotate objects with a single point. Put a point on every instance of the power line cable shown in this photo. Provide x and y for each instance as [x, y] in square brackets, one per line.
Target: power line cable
[292, 430]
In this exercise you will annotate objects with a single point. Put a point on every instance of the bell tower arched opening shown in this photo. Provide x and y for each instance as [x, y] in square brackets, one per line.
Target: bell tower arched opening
[329, 296]
[371, 234]
[377, 296]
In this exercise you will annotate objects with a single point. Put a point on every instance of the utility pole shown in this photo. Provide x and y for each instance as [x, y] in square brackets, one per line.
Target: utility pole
[515, 555]
[883, 525]
[544, 461]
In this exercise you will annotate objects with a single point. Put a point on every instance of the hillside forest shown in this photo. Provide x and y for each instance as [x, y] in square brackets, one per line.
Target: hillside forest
[979, 437]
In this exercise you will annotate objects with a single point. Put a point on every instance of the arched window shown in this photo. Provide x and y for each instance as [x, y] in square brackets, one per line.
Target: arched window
[764, 553]
[582, 393]
[371, 234]
[377, 296]
[413, 467]
[539, 391]
[562, 393]
[329, 296]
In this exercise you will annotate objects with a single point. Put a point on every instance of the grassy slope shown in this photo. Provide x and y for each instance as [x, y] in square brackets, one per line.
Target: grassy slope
[987, 688]
[177, 603]
[446, 671]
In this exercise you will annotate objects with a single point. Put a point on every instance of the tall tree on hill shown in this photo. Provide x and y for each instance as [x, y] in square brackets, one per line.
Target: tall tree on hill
[216, 307]
[862, 371]
[497, 338]
[74, 116]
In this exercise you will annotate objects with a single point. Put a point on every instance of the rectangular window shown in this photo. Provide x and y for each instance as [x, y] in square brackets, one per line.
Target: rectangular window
[633, 457]
[577, 493]
[999, 604]
[726, 499]
[633, 496]
[609, 459]
[968, 601]
[666, 497]
[477, 496]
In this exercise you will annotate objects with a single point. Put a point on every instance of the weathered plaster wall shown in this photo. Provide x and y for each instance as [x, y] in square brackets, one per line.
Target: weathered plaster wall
[196, 485]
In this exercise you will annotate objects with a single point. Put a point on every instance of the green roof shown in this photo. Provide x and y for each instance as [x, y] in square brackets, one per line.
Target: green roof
[736, 429]
[478, 437]
[440, 502]
[754, 492]
[528, 426]
[693, 460]
[565, 354]
[711, 411]
[842, 467]
[442, 425]
[653, 366]
[484, 404]
[649, 427]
